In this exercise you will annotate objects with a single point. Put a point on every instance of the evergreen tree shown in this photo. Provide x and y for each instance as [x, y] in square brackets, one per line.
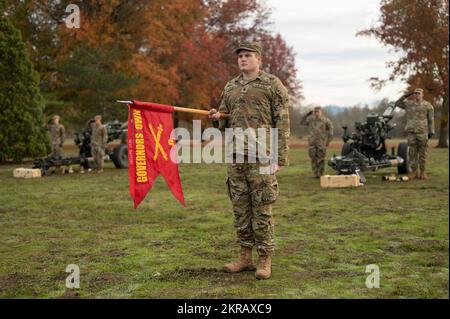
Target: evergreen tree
[88, 79]
[22, 127]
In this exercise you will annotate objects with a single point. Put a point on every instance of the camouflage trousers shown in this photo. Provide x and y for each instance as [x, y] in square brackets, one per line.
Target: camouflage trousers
[317, 153]
[98, 153]
[56, 151]
[252, 194]
[418, 144]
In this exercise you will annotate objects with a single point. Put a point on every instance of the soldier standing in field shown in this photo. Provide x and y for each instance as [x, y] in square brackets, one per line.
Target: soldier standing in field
[320, 136]
[254, 99]
[99, 139]
[420, 128]
[57, 134]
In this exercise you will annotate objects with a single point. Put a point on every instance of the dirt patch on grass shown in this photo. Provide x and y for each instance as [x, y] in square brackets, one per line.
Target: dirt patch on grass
[102, 280]
[369, 258]
[205, 254]
[161, 245]
[418, 245]
[115, 253]
[298, 246]
[70, 294]
[425, 245]
[215, 276]
[436, 261]
[59, 277]
[326, 274]
[190, 273]
[10, 282]
[342, 230]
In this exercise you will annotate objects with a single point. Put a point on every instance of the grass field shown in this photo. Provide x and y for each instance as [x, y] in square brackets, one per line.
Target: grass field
[325, 238]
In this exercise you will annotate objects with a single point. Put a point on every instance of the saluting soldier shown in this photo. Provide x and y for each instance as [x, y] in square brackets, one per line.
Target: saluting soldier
[320, 136]
[98, 143]
[420, 128]
[254, 99]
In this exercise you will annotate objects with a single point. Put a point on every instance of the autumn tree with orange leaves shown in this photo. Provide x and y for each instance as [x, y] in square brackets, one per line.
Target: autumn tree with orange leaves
[418, 29]
[178, 52]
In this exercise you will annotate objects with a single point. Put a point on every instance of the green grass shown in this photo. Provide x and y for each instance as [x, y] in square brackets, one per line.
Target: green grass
[325, 238]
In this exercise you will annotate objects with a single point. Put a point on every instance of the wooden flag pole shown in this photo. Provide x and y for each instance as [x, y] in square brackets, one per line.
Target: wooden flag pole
[184, 110]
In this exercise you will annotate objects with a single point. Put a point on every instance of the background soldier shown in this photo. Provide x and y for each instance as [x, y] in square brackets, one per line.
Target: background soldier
[420, 128]
[57, 134]
[254, 99]
[320, 136]
[98, 142]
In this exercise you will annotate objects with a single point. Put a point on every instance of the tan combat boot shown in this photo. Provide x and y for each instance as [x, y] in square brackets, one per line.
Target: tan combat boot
[264, 267]
[413, 175]
[244, 263]
[423, 175]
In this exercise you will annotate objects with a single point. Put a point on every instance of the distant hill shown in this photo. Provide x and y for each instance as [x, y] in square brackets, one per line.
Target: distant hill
[335, 109]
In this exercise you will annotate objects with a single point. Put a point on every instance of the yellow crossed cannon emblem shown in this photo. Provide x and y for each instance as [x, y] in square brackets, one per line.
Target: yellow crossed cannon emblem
[158, 146]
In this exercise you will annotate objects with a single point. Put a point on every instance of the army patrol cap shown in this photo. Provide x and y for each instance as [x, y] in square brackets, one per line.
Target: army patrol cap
[418, 90]
[318, 108]
[249, 46]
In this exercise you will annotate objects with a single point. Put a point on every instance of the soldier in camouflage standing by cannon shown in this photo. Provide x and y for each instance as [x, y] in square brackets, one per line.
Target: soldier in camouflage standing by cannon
[57, 135]
[98, 142]
[320, 136]
[420, 128]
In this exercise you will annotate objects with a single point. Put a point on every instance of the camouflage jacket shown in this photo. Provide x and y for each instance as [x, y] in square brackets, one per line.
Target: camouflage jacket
[99, 136]
[57, 133]
[261, 103]
[419, 116]
[320, 129]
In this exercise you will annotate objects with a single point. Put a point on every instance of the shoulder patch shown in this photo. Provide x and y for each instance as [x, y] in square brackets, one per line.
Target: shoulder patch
[275, 80]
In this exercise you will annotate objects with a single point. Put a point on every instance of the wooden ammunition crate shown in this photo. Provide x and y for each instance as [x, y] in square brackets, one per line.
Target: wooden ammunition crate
[27, 173]
[339, 181]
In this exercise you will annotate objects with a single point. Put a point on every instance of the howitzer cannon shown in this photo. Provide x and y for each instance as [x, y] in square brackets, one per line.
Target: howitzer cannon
[117, 153]
[44, 164]
[365, 149]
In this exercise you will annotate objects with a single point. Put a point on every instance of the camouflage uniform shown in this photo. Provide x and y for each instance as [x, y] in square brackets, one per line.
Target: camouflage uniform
[57, 134]
[262, 102]
[419, 126]
[98, 143]
[320, 135]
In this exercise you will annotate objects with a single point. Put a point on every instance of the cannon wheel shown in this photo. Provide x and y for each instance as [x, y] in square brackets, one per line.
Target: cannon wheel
[120, 156]
[346, 149]
[403, 152]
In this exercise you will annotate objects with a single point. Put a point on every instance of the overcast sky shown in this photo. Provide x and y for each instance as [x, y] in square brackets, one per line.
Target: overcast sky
[333, 64]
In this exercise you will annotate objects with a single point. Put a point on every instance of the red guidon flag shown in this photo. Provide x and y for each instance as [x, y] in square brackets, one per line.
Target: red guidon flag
[149, 147]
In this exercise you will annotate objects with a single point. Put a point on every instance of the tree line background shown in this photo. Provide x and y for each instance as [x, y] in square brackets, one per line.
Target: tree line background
[177, 52]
